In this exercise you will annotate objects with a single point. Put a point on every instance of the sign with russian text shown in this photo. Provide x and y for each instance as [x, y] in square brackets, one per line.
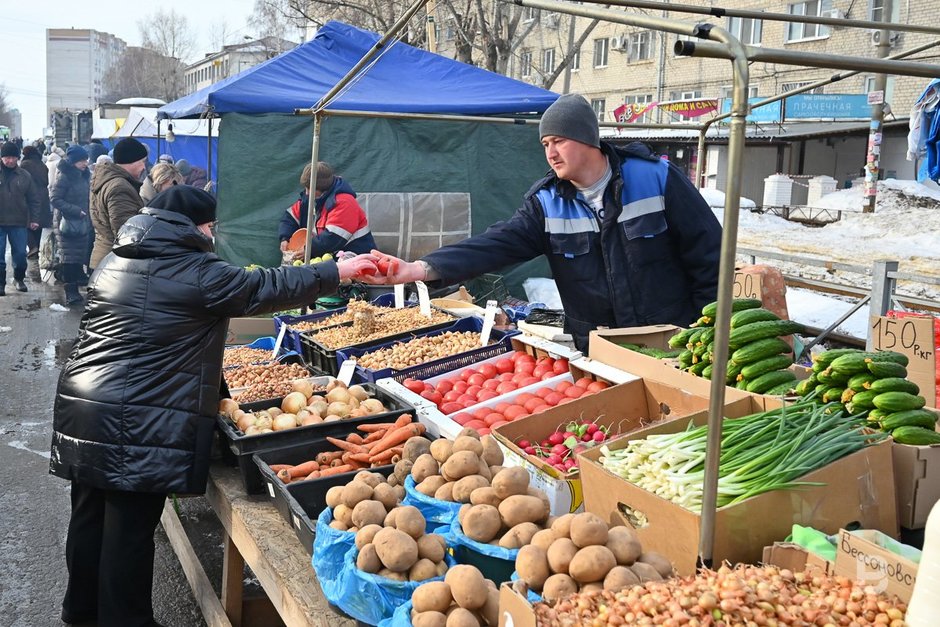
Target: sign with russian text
[690, 108]
[772, 112]
[827, 106]
[631, 111]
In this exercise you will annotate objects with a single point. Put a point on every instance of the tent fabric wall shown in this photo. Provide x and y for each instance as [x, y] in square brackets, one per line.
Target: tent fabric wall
[495, 163]
[190, 147]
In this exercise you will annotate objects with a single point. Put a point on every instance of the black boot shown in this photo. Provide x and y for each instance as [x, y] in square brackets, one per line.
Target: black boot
[72, 297]
[20, 285]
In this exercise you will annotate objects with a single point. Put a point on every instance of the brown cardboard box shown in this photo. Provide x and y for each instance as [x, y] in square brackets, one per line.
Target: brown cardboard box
[247, 330]
[514, 608]
[862, 558]
[917, 482]
[795, 558]
[858, 488]
[917, 336]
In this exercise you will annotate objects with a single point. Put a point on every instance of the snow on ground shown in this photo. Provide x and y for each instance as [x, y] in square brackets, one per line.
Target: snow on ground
[716, 198]
[817, 310]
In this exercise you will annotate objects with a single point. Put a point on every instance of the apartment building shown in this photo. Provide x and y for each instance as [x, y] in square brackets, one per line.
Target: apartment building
[231, 60]
[76, 63]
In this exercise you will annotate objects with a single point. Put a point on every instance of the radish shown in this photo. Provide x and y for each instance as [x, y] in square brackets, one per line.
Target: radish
[599, 436]
[556, 438]
[529, 450]
[553, 459]
[592, 428]
[523, 444]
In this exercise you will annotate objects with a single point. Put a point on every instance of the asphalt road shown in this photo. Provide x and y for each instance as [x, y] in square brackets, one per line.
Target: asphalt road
[34, 505]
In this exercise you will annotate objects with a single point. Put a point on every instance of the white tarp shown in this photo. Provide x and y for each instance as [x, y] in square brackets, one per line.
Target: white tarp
[142, 122]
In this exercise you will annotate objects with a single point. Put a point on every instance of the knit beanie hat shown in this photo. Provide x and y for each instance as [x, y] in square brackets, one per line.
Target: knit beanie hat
[129, 150]
[31, 152]
[9, 149]
[165, 158]
[195, 204]
[183, 166]
[571, 117]
[75, 154]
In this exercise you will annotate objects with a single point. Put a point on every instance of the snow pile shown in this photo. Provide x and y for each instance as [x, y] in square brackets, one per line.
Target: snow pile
[716, 198]
[892, 195]
[816, 310]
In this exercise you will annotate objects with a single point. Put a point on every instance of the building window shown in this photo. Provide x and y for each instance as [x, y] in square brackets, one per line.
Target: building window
[685, 95]
[640, 100]
[449, 31]
[601, 47]
[869, 87]
[529, 14]
[640, 48]
[876, 11]
[548, 60]
[599, 104]
[725, 92]
[525, 62]
[791, 86]
[813, 8]
[576, 61]
[746, 29]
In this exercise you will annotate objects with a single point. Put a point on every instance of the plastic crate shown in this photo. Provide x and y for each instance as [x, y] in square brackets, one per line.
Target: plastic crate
[502, 344]
[267, 344]
[292, 338]
[316, 377]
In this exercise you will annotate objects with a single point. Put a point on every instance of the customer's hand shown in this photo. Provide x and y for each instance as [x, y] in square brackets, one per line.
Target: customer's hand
[33, 226]
[359, 267]
[284, 246]
[392, 270]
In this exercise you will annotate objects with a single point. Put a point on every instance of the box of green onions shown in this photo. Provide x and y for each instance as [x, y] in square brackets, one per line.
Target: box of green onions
[801, 464]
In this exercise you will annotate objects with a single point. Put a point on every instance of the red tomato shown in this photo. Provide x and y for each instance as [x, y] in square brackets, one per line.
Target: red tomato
[482, 413]
[506, 376]
[583, 382]
[516, 355]
[506, 387]
[414, 385]
[541, 370]
[451, 396]
[548, 375]
[461, 387]
[483, 431]
[553, 398]
[486, 395]
[469, 404]
[540, 408]
[597, 386]
[501, 407]
[526, 367]
[523, 398]
[560, 366]
[434, 397]
[528, 381]
[464, 398]
[564, 385]
[566, 399]
[493, 417]
[546, 361]
[514, 411]
[543, 392]
[504, 365]
[475, 424]
[451, 408]
[574, 392]
[532, 403]
[498, 424]
[488, 371]
[474, 391]
[466, 374]
[462, 418]
[445, 386]
[491, 384]
[476, 379]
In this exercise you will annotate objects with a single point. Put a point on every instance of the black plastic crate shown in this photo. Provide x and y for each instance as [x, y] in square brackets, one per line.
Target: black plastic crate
[292, 338]
[243, 446]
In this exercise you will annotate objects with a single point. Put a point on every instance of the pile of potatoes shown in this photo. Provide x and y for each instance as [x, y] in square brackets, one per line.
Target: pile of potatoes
[366, 500]
[450, 471]
[399, 549]
[463, 599]
[580, 553]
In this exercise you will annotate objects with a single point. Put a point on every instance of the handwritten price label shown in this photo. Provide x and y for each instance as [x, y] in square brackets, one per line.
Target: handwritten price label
[911, 336]
[747, 286]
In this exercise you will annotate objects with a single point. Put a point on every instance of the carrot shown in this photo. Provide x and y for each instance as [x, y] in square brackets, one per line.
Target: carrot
[279, 467]
[385, 455]
[313, 475]
[375, 437]
[379, 426]
[336, 462]
[397, 436]
[346, 446]
[304, 469]
[335, 471]
[354, 438]
[284, 475]
[360, 457]
[325, 459]
[404, 420]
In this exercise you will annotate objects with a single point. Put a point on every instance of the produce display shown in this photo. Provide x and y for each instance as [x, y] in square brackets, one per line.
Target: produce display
[244, 356]
[873, 385]
[372, 323]
[463, 599]
[261, 381]
[367, 499]
[580, 553]
[451, 471]
[759, 453]
[745, 595]
[394, 545]
[420, 350]
[302, 406]
[559, 449]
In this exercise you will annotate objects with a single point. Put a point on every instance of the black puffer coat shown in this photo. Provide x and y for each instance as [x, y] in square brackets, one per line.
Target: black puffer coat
[40, 173]
[136, 401]
[70, 200]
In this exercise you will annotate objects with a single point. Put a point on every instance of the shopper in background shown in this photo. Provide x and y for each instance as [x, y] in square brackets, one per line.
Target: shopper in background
[95, 149]
[72, 222]
[52, 164]
[629, 240]
[115, 194]
[162, 177]
[194, 175]
[19, 212]
[136, 402]
[32, 163]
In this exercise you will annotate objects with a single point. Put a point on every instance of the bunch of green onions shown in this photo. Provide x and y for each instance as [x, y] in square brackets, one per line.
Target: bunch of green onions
[759, 453]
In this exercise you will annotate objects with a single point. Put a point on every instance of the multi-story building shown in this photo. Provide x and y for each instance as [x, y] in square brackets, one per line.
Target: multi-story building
[231, 60]
[76, 63]
[16, 123]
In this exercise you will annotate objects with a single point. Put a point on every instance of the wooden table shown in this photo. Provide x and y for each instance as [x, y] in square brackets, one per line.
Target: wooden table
[257, 535]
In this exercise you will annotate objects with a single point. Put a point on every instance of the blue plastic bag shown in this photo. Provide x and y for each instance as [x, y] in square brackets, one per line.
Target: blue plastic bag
[401, 617]
[329, 548]
[440, 515]
[531, 595]
[495, 562]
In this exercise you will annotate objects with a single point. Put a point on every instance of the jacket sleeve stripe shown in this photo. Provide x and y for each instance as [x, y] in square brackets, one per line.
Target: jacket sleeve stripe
[338, 230]
[578, 225]
[642, 207]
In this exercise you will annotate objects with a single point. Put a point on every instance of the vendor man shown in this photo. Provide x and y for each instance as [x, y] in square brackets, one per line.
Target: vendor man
[629, 240]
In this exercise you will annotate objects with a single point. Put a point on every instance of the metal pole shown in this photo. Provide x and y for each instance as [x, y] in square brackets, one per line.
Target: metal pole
[311, 202]
[882, 289]
[873, 158]
[209, 159]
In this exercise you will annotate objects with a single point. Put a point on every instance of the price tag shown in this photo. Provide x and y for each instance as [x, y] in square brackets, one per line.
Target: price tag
[913, 337]
[346, 371]
[279, 341]
[489, 319]
[424, 299]
[271, 490]
[747, 285]
[399, 296]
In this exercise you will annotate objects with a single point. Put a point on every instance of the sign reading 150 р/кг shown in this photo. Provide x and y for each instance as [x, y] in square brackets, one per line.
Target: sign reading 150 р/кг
[910, 336]
[747, 285]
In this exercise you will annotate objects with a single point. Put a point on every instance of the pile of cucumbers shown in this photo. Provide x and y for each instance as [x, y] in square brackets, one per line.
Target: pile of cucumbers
[758, 360]
[876, 385]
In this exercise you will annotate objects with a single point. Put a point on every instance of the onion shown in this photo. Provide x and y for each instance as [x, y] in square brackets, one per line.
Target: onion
[311, 419]
[303, 413]
[339, 409]
[304, 386]
[237, 414]
[252, 430]
[284, 421]
[318, 407]
[274, 412]
[245, 421]
[316, 397]
[294, 402]
[373, 406]
[332, 418]
[334, 384]
[338, 395]
[358, 392]
[263, 420]
[227, 407]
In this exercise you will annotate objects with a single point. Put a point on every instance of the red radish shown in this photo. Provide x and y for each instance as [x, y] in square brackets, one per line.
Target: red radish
[587, 437]
[570, 463]
[599, 436]
[553, 459]
[592, 428]
[556, 438]
[529, 450]
[523, 444]
[561, 450]
[560, 468]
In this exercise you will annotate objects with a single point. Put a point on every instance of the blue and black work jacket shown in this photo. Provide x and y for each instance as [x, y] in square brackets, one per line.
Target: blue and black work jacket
[650, 257]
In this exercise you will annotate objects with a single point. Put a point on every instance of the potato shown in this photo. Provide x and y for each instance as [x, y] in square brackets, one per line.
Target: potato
[368, 560]
[532, 566]
[544, 539]
[645, 572]
[588, 529]
[596, 586]
[462, 512]
[402, 470]
[460, 465]
[660, 562]
[368, 513]
[466, 586]
[433, 596]
[562, 526]
[510, 481]
[466, 431]
[431, 485]
[365, 535]
[560, 554]
[343, 514]
[339, 526]
[424, 467]
[494, 470]
[410, 520]
[392, 480]
[446, 492]
[482, 523]
[430, 548]
[466, 443]
[423, 569]
[429, 619]
[624, 544]
[386, 495]
[590, 564]
[334, 496]
[521, 508]
[462, 618]
[390, 574]
[490, 609]
[441, 568]
[400, 493]
[492, 454]
[464, 487]
[415, 447]
[441, 449]
[518, 536]
[371, 479]
[620, 577]
[484, 472]
[485, 495]
[356, 492]
[390, 518]
[558, 586]
[397, 550]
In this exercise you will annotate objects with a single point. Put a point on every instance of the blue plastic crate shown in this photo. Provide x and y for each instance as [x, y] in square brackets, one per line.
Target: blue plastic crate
[502, 343]
[292, 338]
[267, 344]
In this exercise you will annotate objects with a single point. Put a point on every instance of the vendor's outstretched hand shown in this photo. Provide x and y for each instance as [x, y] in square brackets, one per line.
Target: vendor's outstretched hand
[392, 270]
[359, 267]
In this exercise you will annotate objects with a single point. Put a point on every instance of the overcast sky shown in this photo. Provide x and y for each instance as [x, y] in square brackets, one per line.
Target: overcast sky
[24, 23]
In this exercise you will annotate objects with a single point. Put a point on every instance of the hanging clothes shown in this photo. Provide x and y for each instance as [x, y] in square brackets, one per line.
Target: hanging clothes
[923, 140]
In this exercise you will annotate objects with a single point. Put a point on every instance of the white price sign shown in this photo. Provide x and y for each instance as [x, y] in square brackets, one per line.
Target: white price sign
[346, 371]
[489, 319]
[424, 299]
[279, 341]
[399, 295]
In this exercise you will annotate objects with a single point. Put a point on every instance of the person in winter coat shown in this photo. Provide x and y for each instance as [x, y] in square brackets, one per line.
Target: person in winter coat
[161, 177]
[95, 149]
[115, 194]
[340, 222]
[19, 212]
[70, 200]
[629, 240]
[32, 163]
[52, 162]
[136, 401]
[193, 175]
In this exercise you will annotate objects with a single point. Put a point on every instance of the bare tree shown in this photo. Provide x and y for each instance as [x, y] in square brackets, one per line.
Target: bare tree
[374, 15]
[141, 72]
[549, 79]
[168, 33]
[274, 19]
[220, 34]
[5, 118]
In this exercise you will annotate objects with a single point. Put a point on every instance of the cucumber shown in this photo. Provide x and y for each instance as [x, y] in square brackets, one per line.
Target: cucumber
[747, 316]
[909, 418]
[741, 384]
[825, 376]
[707, 335]
[704, 321]
[693, 339]
[862, 381]
[698, 368]
[738, 304]
[898, 401]
[820, 388]
[685, 358]
[679, 339]
[805, 386]
[760, 330]
[733, 371]
[877, 415]
[887, 369]
[915, 435]
[769, 380]
[784, 389]
[672, 354]
[847, 395]
[761, 349]
[850, 364]
[825, 358]
[707, 371]
[756, 369]
[864, 400]
[699, 351]
[832, 394]
[649, 352]
[894, 384]
[897, 358]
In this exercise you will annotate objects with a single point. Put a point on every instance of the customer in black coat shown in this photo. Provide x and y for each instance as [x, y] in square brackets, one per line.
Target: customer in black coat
[32, 163]
[70, 204]
[136, 401]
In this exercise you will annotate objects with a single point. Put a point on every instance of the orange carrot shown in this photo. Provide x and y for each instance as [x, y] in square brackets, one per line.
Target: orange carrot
[279, 467]
[336, 462]
[396, 437]
[385, 455]
[313, 475]
[325, 459]
[379, 426]
[284, 475]
[375, 437]
[360, 457]
[346, 446]
[304, 469]
[354, 438]
[335, 471]
[404, 420]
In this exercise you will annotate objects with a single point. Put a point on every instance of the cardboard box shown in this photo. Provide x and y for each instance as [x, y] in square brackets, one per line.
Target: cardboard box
[625, 408]
[859, 488]
[862, 557]
[917, 482]
[795, 558]
[514, 608]
[247, 330]
[918, 337]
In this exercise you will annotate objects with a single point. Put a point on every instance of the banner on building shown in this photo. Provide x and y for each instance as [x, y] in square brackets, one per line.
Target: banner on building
[631, 111]
[690, 108]
[827, 106]
[772, 112]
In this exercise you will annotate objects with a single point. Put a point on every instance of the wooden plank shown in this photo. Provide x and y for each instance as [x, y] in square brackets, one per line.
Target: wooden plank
[233, 584]
[205, 596]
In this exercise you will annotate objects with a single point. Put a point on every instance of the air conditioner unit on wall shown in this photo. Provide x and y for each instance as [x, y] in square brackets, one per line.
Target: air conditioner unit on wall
[552, 20]
[876, 37]
[619, 43]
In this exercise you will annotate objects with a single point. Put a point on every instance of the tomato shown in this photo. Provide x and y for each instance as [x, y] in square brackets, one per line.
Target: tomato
[566, 399]
[483, 431]
[461, 386]
[548, 375]
[444, 386]
[387, 266]
[491, 384]
[574, 392]
[506, 376]
[583, 382]
[414, 385]
[532, 403]
[494, 417]
[486, 395]
[474, 391]
[482, 413]
[501, 407]
[488, 371]
[506, 387]
[514, 411]
[523, 398]
[546, 361]
[466, 374]
[560, 366]
[498, 424]
[516, 355]
[475, 424]
[451, 408]
[540, 408]
[469, 404]
[504, 365]
[543, 392]
[465, 398]
[564, 385]
[527, 367]
[528, 381]
[597, 386]
[434, 397]
[476, 379]
[451, 396]
[462, 418]
[553, 398]
[541, 370]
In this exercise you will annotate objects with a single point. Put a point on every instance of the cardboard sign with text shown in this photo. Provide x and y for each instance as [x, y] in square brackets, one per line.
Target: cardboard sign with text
[913, 337]
[747, 285]
[862, 558]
